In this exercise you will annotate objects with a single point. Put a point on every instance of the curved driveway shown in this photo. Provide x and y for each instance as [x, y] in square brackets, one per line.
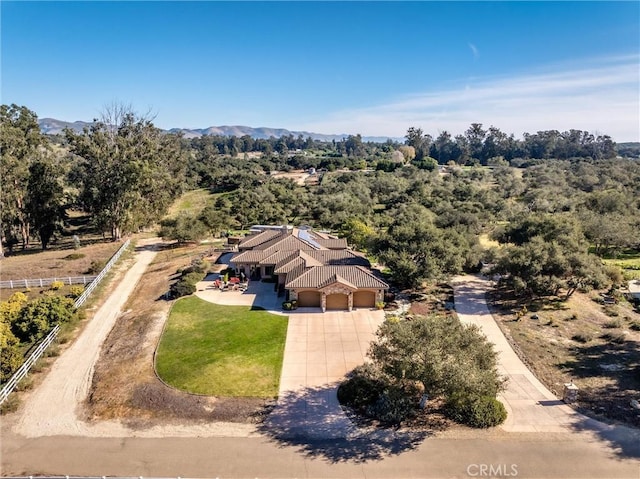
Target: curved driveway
[531, 406]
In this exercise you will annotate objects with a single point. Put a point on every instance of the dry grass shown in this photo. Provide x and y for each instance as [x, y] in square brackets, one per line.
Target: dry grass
[580, 340]
[52, 263]
[298, 177]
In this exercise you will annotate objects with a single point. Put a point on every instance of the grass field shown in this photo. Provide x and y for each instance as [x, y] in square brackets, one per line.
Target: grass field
[192, 202]
[222, 350]
[629, 262]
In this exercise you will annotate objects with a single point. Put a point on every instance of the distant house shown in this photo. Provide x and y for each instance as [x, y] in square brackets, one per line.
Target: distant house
[634, 289]
[315, 269]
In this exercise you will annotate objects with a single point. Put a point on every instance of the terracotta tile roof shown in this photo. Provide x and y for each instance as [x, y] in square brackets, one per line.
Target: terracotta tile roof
[250, 256]
[323, 276]
[333, 243]
[287, 242]
[278, 257]
[256, 240]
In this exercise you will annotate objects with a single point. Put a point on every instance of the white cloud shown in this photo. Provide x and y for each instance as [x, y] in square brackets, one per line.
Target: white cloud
[474, 50]
[602, 97]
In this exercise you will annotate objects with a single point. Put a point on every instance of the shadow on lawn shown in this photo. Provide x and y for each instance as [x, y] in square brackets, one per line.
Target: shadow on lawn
[312, 421]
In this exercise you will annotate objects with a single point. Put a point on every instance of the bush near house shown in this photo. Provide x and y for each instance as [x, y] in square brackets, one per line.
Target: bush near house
[190, 276]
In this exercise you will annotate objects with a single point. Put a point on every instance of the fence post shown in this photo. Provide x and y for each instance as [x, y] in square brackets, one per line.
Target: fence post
[26, 284]
[11, 284]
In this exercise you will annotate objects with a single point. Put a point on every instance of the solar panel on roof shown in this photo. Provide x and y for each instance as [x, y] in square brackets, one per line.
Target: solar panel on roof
[305, 235]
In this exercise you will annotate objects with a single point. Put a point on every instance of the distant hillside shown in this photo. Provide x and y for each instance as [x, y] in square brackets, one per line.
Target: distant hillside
[52, 126]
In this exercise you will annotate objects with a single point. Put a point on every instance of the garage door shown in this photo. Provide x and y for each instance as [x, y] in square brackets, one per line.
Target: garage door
[338, 301]
[364, 299]
[308, 299]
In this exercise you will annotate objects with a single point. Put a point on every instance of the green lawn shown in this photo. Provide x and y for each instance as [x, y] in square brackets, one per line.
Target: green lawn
[222, 350]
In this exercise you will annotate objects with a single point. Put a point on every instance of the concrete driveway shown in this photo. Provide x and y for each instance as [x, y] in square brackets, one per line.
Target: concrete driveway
[531, 406]
[322, 347]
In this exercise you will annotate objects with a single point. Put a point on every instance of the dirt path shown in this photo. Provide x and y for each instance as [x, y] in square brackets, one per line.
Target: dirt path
[67, 384]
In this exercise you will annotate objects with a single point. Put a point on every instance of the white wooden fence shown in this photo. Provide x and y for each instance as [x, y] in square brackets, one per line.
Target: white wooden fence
[24, 369]
[83, 297]
[42, 282]
[44, 344]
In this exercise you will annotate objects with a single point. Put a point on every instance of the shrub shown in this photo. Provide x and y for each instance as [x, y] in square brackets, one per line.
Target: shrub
[582, 337]
[72, 256]
[379, 305]
[616, 323]
[362, 388]
[181, 288]
[617, 338]
[37, 318]
[475, 411]
[96, 266]
[25, 384]
[286, 305]
[635, 325]
[186, 285]
[56, 285]
[10, 405]
[393, 406]
[75, 292]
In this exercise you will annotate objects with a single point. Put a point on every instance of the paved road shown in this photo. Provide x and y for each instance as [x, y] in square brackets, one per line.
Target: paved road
[535, 456]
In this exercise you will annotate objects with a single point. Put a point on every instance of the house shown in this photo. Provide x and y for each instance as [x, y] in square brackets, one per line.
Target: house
[634, 289]
[314, 268]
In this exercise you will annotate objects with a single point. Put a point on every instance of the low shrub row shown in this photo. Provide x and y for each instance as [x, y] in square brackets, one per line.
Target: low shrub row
[189, 277]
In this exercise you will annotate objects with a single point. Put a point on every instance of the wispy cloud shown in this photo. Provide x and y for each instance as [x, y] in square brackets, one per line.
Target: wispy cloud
[474, 50]
[602, 96]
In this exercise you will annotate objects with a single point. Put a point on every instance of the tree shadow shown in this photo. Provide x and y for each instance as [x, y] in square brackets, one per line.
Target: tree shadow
[623, 441]
[618, 366]
[312, 421]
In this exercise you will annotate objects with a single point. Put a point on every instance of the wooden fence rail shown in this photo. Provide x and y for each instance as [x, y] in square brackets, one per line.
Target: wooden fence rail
[23, 370]
[42, 282]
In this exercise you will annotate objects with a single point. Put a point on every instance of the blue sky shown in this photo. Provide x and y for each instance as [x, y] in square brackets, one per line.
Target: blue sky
[374, 68]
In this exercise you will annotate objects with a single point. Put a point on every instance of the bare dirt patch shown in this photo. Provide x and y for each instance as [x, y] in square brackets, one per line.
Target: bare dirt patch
[437, 298]
[298, 177]
[580, 340]
[125, 385]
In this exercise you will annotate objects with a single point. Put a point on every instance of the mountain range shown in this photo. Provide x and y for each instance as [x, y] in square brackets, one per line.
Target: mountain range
[51, 126]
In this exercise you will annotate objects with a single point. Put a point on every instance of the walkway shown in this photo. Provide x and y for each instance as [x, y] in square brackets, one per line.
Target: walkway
[531, 406]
